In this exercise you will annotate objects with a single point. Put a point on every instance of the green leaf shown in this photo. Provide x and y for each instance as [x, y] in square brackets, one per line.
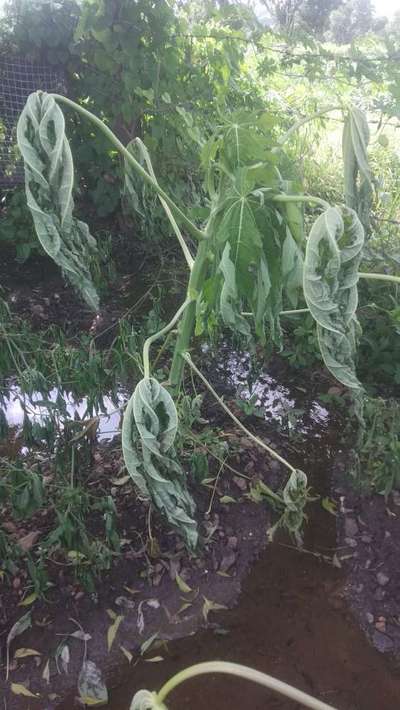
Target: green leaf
[230, 305]
[242, 143]
[238, 227]
[292, 268]
[148, 432]
[49, 176]
[332, 260]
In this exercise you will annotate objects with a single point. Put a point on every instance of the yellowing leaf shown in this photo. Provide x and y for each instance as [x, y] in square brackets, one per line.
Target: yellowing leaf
[18, 628]
[46, 672]
[184, 588]
[19, 689]
[209, 605]
[25, 652]
[128, 655]
[29, 599]
[146, 644]
[112, 631]
[329, 505]
[91, 686]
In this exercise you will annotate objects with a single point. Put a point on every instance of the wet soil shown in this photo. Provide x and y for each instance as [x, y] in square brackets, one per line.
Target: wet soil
[293, 623]
[370, 531]
[293, 616]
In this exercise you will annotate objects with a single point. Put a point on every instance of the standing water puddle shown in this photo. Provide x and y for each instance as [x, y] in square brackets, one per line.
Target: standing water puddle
[292, 620]
[37, 407]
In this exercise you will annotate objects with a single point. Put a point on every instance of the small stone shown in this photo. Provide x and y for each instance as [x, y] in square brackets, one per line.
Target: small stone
[396, 497]
[350, 527]
[382, 642]
[379, 594]
[350, 542]
[232, 542]
[381, 624]
[241, 483]
[369, 617]
[382, 579]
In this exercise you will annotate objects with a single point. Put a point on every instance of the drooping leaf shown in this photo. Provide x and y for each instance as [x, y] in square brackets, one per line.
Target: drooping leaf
[292, 268]
[128, 655]
[112, 631]
[65, 658]
[184, 588]
[148, 433]
[49, 176]
[295, 497]
[229, 298]
[46, 672]
[272, 230]
[19, 689]
[29, 599]
[332, 259]
[238, 227]
[25, 652]
[18, 628]
[358, 179]
[91, 686]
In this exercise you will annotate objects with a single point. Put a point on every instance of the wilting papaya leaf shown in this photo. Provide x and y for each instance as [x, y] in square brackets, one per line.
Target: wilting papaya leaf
[91, 687]
[292, 268]
[332, 259]
[49, 177]
[358, 179]
[148, 432]
[230, 306]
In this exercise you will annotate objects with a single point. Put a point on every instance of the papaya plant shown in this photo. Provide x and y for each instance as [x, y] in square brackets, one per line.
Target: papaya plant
[246, 261]
[147, 700]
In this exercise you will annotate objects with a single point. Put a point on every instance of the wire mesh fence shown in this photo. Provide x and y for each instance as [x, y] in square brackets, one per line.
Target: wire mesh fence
[18, 79]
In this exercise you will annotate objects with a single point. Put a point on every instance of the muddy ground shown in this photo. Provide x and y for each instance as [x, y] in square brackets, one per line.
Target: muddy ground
[297, 613]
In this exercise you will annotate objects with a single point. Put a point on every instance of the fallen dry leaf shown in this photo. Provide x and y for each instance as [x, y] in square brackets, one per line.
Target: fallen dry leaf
[19, 689]
[27, 542]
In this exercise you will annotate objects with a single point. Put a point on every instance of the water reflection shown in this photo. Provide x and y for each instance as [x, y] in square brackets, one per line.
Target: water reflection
[38, 408]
